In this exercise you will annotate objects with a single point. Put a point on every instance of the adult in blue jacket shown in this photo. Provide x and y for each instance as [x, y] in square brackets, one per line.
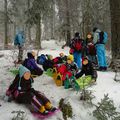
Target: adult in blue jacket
[100, 48]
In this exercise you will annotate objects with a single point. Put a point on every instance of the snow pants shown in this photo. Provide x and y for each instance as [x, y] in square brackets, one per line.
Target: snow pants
[37, 99]
[78, 58]
[100, 49]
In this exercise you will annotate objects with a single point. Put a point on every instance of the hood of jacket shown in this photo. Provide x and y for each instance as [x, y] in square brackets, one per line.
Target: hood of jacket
[22, 70]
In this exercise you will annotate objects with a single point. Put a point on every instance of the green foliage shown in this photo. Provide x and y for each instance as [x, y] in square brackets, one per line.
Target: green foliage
[106, 110]
[87, 96]
[66, 109]
[20, 115]
[14, 71]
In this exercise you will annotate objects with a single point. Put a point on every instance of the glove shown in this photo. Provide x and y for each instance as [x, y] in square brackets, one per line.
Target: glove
[71, 51]
[8, 93]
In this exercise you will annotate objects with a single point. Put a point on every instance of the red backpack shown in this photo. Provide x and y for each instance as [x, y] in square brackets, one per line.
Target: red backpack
[77, 44]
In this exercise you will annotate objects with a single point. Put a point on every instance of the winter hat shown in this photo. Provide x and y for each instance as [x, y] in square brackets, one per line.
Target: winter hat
[84, 59]
[50, 57]
[77, 34]
[70, 57]
[61, 54]
[31, 54]
[94, 29]
[23, 70]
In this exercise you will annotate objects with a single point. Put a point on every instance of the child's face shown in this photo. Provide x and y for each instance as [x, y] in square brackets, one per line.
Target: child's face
[61, 54]
[27, 76]
[33, 53]
[89, 36]
[69, 61]
[85, 62]
[51, 57]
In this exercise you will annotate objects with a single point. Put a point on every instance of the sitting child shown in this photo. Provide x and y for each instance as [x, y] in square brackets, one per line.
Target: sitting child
[22, 92]
[69, 68]
[60, 59]
[48, 62]
[31, 64]
[87, 69]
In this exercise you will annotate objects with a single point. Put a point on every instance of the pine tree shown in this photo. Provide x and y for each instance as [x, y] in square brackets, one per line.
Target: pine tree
[39, 9]
[106, 110]
[66, 109]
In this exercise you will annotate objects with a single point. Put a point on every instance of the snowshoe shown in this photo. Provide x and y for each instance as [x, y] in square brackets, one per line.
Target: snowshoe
[58, 80]
[49, 72]
[54, 75]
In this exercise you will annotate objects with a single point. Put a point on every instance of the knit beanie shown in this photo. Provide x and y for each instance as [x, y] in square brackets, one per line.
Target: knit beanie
[22, 70]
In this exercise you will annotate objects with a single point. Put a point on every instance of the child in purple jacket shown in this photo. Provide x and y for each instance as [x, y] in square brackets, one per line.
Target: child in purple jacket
[31, 64]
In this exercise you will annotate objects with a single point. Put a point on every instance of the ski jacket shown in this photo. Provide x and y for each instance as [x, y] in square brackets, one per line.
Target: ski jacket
[87, 70]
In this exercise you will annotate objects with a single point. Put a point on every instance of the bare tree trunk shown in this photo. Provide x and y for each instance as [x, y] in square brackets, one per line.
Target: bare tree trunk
[68, 29]
[115, 30]
[53, 20]
[115, 25]
[38, 32]
[6, 26]
[68, 23]
[29, 30]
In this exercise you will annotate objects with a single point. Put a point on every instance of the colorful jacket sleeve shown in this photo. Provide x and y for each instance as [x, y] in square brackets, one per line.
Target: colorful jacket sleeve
[16, 40]
[95, 37]
[14, 84]
[93, 71]
[33, 62]
[79, 74]
[71, 43]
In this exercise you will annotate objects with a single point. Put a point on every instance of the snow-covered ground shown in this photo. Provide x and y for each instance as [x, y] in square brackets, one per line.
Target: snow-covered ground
[105, 84]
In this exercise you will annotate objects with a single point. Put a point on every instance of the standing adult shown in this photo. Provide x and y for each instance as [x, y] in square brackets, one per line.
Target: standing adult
[76, 46]
[100, 38]
[19, 41]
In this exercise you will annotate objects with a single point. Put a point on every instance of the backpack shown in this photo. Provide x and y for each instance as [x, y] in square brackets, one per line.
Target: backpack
[19, 39]
[103, 37]
[41, 59]
[77, 44]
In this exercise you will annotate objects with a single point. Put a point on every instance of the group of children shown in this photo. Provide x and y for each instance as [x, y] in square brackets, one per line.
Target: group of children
[21, 89]
[84, 56]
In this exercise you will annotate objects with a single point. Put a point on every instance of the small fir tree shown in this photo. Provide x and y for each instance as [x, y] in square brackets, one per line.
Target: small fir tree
[20, 115]
[66, 109]
[106, 110]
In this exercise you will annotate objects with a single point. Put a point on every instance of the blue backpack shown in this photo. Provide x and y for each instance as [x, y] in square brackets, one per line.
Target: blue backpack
[41, 59]
[19, 39]
[103, 37]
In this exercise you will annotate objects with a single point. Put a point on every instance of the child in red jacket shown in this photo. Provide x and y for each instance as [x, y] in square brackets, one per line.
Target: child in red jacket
[69, 68]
